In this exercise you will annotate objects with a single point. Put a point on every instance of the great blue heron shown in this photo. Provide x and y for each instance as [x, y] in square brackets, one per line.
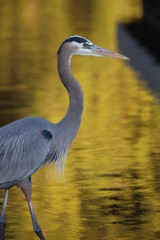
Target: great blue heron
[29, 143]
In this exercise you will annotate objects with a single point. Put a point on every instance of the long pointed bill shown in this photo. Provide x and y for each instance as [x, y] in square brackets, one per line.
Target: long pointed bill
[102, 52]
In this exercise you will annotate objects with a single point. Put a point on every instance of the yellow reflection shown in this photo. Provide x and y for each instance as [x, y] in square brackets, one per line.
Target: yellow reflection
[111, 169]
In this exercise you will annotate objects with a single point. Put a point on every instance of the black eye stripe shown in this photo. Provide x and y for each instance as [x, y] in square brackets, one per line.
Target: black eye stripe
[76, 39]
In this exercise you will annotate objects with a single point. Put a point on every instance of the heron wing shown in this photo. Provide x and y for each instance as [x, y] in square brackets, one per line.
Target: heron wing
[24, 145]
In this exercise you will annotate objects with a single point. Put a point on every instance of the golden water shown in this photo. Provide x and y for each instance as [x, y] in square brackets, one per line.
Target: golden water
[112, 180]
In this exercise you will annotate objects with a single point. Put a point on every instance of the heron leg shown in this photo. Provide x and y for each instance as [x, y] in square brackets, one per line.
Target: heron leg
[26, 187]
[3, 211]
[2, 216]
[2, 231]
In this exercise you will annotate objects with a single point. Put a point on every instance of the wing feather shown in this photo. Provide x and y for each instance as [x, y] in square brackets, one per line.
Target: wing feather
[23, 148]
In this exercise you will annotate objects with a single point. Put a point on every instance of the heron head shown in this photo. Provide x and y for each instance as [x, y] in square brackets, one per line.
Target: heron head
[77, 45]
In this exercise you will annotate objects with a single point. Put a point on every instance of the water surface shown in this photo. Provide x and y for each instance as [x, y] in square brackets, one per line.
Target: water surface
[112, 180]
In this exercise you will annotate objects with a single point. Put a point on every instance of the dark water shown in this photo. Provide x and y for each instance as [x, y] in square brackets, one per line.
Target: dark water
[112, 180]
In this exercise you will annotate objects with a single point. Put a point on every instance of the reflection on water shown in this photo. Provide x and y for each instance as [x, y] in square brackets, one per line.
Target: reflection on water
[112, 186]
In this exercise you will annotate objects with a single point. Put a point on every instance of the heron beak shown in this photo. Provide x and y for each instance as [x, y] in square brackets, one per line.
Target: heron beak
[102, 52]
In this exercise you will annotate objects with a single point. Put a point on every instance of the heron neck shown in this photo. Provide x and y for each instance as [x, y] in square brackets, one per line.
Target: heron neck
[74, 113]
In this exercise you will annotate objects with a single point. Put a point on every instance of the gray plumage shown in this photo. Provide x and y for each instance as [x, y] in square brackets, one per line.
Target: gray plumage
[29, 143]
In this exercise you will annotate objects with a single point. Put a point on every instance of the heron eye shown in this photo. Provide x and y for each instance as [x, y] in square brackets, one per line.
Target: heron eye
[85, 44]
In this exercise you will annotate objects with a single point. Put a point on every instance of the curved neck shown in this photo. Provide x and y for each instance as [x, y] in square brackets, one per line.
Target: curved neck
[72, 118]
